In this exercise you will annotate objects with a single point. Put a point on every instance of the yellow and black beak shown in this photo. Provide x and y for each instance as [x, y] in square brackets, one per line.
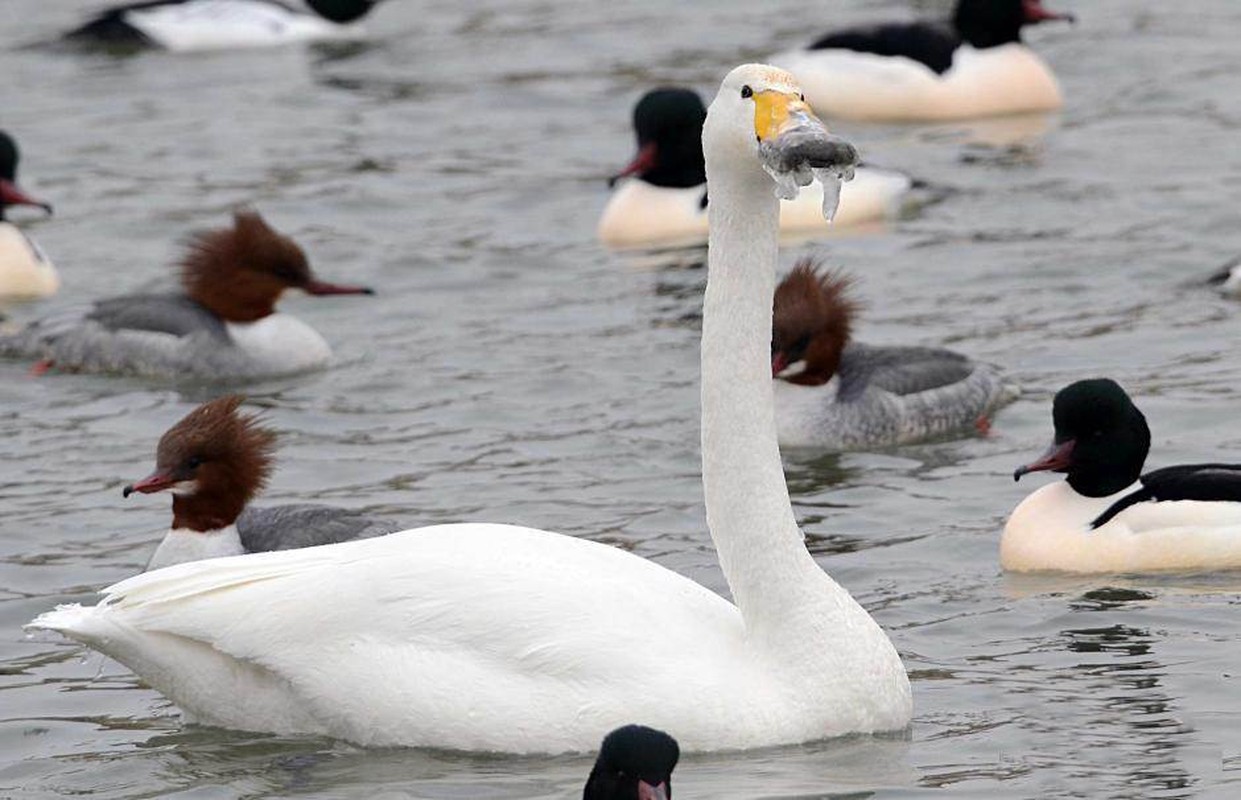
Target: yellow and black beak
[776, 112]
[791, 138]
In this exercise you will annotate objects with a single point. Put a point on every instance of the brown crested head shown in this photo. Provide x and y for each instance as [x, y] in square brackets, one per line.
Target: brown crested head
[812, 319]
[239, 273]
[214, 461]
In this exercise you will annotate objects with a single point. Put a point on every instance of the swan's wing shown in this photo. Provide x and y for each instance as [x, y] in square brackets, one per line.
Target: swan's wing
[394, 639]
[1209, 482]
[306, 525]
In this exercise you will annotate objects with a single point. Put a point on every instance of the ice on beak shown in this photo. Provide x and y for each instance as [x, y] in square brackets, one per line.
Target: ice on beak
[805, 152]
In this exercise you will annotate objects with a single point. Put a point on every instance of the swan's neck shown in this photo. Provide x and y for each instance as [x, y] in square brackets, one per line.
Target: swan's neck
[761, 549]
[183, 544]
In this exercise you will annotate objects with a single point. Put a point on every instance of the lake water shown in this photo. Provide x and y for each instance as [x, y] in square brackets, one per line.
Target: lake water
[512, 369]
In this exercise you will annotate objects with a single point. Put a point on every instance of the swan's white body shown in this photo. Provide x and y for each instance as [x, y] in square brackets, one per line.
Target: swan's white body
[490, 637]
[228, 24]
[25, 270]
[1050, 530]
[639, 214]
[1008, 79]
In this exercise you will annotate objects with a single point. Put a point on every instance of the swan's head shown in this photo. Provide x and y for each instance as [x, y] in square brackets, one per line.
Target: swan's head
[759, 124]
[812, 319]
[213, 462]
[1101, 438]
[635, 763]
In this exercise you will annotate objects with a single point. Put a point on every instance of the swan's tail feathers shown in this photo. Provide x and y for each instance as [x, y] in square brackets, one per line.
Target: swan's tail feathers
[73, 621]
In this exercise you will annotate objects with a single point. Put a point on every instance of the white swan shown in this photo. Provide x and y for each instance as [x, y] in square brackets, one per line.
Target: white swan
[498, 638]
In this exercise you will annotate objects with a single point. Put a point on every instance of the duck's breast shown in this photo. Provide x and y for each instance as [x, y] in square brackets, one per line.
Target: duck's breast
[1050, 530]
[25, 270]
[639, 214]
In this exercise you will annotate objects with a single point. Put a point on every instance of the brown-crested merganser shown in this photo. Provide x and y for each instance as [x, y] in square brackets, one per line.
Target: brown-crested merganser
[222, 325]
[213, 462]
[835, 393]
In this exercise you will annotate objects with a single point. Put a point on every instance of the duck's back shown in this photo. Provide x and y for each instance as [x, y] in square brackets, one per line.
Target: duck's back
[169, 336]
[993, 81]
[883, 396]
[296, 525]
[189, 25]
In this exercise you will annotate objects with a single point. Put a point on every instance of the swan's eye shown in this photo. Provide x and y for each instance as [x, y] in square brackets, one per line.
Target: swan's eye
[803, 97]
[746, 91]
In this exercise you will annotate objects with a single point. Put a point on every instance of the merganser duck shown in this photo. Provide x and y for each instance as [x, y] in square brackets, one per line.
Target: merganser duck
[974, 66]
[1228, 278]
[223, 325]
[839, 394]
[1106, 516]
[635, 763]
[486, 637]
[25, 271]
[214, 461]
[191, 25]
[663, 201]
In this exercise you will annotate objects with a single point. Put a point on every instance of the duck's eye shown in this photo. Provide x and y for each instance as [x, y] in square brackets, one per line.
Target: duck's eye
[193, 462]
[746, 91]
[803, 97]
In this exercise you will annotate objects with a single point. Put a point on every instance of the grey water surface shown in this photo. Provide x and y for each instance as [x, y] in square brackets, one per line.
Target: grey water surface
[511, 369]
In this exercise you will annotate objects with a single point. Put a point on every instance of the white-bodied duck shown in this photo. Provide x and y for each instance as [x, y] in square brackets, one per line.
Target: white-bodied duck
[213, 462]
[490, 637]
[26, 273]
[193, 25]
[835, 393]
[660, 198]
[1106, 516]
[974, 65]
[221, 326]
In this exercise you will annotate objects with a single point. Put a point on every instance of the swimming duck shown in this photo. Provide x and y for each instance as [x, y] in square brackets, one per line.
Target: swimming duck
[191, 25]
[25, 270]
[1106, 516]
[973, 66]
[660, 198]
[635, 763]
[222, 325]
[491, 637]
[835, 393]
[214, 461]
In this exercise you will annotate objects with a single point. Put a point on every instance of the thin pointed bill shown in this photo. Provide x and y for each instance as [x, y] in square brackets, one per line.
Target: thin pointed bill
[1057, 458]
[644, 161]
[11, 195]
[796, 148]
[155, 482]
[1035, 13]
[318, 287]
